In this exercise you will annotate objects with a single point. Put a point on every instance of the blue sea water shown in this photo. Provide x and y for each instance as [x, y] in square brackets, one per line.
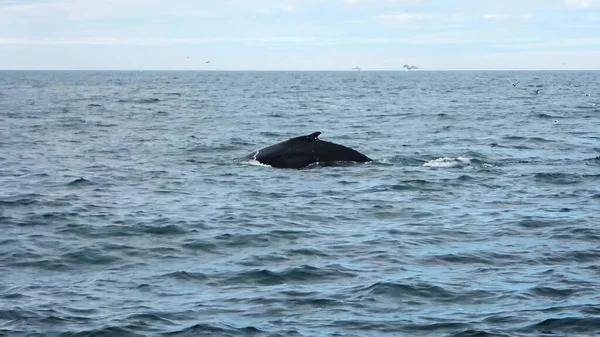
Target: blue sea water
[125, 209]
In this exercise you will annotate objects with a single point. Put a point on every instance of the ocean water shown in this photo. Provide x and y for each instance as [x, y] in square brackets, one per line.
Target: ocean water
[125, 209]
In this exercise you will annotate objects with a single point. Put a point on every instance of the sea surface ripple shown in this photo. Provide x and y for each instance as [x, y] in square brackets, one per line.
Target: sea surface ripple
[125, 209]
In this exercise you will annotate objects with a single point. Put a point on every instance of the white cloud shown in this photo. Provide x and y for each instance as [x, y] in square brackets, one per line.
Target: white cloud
[30, 9]
[111, 41]
[495, 17]
[93, 9]
[165, 42]
[410, 16]
[76, 9]
[444, 38]
[392, 2]
[82, 10]
[11, 13]
[525, 60]
[504, 17]
[551, 44]
[582, 4]
[17, 8]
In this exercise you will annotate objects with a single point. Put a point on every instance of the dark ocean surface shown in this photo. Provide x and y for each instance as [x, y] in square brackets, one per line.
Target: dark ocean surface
[125, 209]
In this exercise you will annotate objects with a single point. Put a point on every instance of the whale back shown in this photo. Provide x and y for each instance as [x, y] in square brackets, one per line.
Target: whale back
[302, 151]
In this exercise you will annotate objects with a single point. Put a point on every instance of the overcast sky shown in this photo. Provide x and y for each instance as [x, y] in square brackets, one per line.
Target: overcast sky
[299, 34]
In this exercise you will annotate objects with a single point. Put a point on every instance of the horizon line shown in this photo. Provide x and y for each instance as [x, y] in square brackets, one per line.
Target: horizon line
[307, 70]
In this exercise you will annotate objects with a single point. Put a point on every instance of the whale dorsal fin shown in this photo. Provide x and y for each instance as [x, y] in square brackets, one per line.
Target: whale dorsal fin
[313, 136]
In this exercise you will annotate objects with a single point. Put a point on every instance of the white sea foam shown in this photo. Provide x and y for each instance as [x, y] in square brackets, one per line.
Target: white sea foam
[447, 162]
[255, 162]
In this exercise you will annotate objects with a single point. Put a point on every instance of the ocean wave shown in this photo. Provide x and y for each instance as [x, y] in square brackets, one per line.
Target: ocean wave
[140, 100]
[203, 329]
[384, 290]
[399, 326]
[187, 276]
[558, 178]
[570, 325]
[21, 200]
[298, 275]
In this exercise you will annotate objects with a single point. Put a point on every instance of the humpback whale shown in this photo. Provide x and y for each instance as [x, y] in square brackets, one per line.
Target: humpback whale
[302, 151]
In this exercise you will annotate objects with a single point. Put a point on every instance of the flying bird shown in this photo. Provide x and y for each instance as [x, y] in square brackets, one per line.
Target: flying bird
[407, 67]
[514, 84]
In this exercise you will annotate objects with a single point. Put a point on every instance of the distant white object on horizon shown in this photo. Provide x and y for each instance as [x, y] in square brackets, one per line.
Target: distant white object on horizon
[407, 67]
[356, 68]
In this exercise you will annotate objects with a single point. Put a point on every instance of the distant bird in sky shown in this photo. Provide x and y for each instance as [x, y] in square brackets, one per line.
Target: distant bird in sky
[356, 68]
[207, 61]
[407, 67]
